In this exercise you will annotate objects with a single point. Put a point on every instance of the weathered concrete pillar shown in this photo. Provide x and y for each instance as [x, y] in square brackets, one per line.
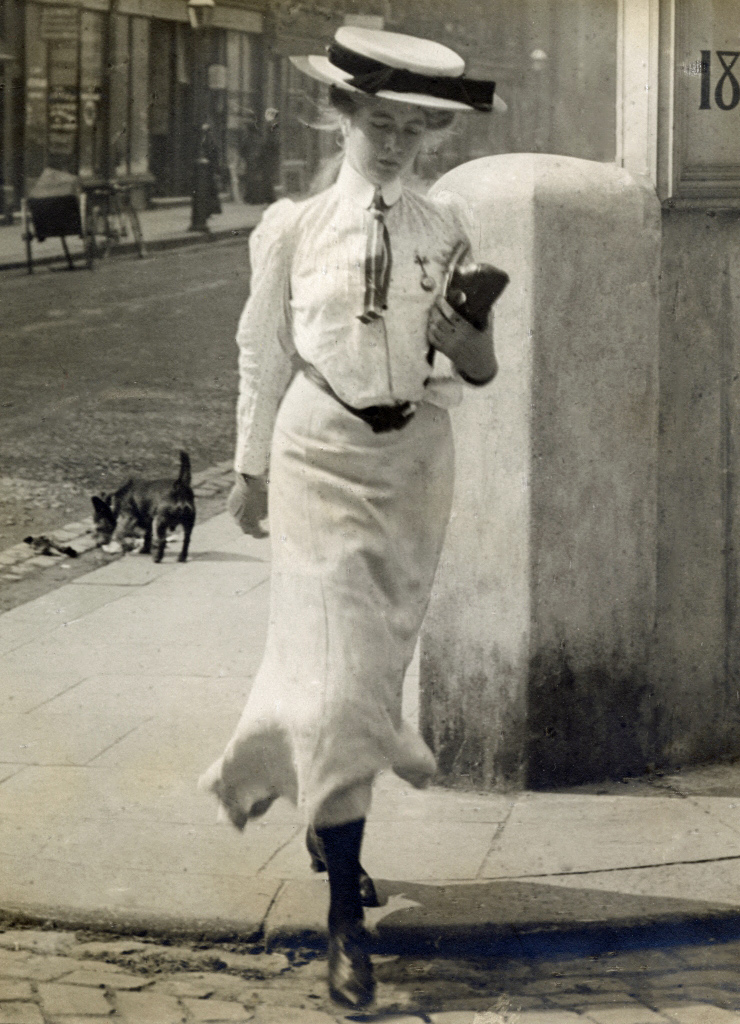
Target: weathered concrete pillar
[534, 655]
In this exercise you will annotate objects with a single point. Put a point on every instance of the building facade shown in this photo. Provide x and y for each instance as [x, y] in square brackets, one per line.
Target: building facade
[11, 103]
[120, 88]
[554, 62]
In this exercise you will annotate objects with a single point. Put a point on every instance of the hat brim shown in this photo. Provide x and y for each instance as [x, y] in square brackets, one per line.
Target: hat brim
[321, 69]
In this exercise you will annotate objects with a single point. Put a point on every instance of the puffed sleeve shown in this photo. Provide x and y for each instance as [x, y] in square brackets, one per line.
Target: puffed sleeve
[266, 351]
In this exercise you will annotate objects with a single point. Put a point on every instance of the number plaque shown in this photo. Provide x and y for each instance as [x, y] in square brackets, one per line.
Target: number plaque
[700, 131]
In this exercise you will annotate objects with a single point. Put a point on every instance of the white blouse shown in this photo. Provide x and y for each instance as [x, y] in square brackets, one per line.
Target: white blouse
[307, 290]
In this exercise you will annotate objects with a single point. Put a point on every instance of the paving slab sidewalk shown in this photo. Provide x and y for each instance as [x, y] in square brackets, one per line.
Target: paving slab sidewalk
[162, 228]
[119, 688]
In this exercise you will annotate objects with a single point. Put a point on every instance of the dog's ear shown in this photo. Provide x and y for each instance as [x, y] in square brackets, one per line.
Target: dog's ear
[102, 508]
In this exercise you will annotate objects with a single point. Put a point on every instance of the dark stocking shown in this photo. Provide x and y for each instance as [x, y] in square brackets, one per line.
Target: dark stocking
[368, 895]
[341, 845]
[350, 971]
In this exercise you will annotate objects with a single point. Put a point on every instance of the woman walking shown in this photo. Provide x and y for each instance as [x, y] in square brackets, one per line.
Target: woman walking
[346, 312]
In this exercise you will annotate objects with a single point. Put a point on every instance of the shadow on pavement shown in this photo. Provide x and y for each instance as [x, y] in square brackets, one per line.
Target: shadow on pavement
[221, 556]
[532, 920]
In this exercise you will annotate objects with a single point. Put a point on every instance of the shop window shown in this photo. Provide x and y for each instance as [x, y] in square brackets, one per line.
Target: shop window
[215, 84]
[36, 92]
[92, 37]
[52, 83]
[60, 27]
[128, 128]
[162, 103]
[300, 143]
[243, 113]
[139, 98]
[120, 73]
[170, 102]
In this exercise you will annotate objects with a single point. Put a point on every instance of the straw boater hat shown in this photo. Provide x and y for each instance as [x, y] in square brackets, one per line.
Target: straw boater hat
[399, 67]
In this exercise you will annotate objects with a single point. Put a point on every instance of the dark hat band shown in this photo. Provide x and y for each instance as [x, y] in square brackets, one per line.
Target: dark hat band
[373, 76]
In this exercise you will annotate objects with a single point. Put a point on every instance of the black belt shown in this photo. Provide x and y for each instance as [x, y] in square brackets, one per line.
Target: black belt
[381, 418]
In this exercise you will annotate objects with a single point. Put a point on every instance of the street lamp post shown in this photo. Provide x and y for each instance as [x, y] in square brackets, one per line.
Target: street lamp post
[200, 13]
[6, 142]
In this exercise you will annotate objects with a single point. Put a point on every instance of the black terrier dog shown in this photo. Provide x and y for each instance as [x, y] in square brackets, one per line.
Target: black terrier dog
[154, 506]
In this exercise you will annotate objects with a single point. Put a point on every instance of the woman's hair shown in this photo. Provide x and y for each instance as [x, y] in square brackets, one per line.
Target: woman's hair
[344, 102]
[348, 103]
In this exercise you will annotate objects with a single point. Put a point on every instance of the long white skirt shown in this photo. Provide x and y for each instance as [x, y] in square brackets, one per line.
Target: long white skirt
[357, 522]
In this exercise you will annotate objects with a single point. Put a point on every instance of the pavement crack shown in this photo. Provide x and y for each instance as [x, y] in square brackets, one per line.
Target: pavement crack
[495, 837]
[120, 739]
[616, 870]
[255, 586]
[274, 854]
[55, 696]
[270, 905]
[12, 775]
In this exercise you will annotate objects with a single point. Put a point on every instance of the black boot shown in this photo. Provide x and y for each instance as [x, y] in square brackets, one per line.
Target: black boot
[351, 981]
[368, 895]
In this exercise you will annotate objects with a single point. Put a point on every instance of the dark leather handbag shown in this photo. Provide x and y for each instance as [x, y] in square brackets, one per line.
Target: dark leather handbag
[472, 288]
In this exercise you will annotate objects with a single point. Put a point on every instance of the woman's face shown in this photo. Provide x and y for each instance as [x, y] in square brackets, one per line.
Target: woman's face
[382, 138]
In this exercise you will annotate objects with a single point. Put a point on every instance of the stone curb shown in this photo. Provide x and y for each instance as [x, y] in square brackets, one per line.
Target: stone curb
[534, 939]
[20, 559]
[150, 924]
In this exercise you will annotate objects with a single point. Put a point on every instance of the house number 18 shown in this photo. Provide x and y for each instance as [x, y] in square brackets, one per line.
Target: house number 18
[727, 89]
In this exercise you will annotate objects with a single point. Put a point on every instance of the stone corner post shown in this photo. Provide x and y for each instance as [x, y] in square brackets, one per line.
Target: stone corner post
[535, 650]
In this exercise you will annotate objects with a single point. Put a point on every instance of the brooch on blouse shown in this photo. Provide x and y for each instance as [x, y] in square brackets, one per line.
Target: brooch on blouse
[427, 283]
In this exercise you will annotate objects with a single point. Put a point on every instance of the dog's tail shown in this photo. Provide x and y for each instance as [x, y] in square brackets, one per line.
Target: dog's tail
[184, 477]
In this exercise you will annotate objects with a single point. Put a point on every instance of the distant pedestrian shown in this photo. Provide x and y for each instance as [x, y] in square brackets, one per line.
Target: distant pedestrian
[209, 150]
[206, 180]
[348, 285]
[250, 147]
[270, 158]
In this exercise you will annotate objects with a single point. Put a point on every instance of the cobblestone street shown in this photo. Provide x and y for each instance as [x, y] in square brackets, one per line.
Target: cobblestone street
[60, 976]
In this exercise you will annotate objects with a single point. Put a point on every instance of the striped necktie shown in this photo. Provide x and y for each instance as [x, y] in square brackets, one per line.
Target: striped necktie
[377, 261]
